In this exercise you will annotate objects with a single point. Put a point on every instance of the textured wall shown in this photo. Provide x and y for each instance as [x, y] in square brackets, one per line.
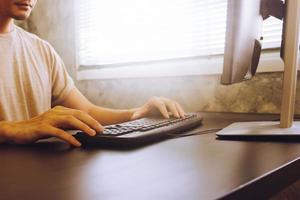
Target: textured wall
[54, 21]
[262, 94]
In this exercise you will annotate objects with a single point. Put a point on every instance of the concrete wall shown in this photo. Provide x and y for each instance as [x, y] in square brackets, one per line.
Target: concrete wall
[54, 21]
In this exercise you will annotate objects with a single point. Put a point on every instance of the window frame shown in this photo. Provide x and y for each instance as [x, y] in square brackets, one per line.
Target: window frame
[212, 65]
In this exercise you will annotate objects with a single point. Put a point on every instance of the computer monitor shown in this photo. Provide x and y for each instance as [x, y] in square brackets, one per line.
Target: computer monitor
[242, 46]
[242, 52]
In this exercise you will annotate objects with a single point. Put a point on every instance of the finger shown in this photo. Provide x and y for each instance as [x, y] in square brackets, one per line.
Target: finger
[173, 109]
[139, 114]
[82, 116]
[180, 110]
[76, 123]
[87, 119]
[160, 105]
[55, 132]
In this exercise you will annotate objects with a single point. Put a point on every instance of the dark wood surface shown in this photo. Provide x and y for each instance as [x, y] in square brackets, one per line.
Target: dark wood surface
[195, 167]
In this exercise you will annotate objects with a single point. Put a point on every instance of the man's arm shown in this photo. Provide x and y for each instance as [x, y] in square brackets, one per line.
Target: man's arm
[105, 116]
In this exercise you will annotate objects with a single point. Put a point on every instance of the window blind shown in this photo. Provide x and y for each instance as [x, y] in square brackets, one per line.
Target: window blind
[126, 31]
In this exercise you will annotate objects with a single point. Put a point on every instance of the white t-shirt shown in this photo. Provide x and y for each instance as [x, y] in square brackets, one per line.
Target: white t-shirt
[33, 77]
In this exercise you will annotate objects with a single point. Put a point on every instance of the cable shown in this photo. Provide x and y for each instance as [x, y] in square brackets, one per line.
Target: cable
[195, 133]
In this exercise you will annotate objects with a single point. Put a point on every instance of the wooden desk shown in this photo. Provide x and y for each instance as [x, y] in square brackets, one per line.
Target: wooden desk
[196, 167]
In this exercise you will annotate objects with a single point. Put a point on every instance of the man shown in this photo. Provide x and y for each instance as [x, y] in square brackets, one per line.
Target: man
[38, 99]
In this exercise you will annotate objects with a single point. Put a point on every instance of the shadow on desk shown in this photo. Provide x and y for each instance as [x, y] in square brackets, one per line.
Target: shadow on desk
[277, 139]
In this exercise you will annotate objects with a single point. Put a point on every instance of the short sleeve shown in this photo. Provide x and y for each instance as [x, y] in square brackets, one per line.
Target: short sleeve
[62, 83]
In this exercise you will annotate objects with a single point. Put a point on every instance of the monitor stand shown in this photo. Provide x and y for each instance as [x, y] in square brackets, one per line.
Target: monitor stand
[286, 128]
[260, 130]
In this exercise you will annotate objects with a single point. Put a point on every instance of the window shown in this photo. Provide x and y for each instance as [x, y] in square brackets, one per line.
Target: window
[132, 31]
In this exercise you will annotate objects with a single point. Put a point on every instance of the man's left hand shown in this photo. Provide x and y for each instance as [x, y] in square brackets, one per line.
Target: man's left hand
[159, 105]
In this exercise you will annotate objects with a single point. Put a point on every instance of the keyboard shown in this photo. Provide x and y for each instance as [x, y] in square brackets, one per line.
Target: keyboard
[140, 132]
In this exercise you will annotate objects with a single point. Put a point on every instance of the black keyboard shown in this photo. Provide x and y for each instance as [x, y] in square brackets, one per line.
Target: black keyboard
[140, 132]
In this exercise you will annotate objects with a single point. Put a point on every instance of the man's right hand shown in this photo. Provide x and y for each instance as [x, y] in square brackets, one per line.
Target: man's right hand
[52, 123]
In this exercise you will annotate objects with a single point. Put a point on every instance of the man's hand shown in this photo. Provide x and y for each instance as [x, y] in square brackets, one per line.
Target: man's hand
[159, 105]
[50, 124]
